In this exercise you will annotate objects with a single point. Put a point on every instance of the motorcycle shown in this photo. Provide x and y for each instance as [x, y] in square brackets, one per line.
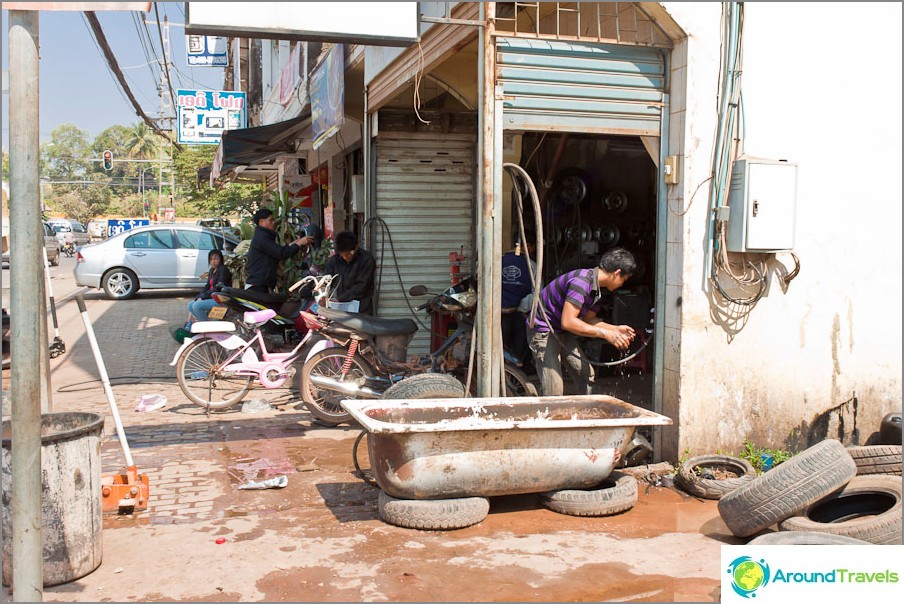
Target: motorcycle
[69, 249]
[369, 354]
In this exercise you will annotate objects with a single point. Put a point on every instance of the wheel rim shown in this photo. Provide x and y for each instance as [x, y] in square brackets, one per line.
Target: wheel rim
[203, 382]
[330, 366]
[516, 386]
[120, 284]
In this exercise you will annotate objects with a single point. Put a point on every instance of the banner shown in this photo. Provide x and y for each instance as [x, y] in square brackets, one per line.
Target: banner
[206, 51]
[290, 76]
[328, 95]
[203, 115]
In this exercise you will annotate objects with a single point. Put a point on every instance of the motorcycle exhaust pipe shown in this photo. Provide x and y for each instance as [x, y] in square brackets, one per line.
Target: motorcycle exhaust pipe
[347, 387]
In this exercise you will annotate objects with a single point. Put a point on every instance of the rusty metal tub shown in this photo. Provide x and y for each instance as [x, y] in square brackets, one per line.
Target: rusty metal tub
[447, 448]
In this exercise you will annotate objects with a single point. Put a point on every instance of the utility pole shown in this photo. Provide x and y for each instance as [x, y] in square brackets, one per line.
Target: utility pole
[166, 59]
[27, 286]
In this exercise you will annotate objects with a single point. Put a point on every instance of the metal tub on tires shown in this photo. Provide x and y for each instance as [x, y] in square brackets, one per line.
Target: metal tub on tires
[450, 448]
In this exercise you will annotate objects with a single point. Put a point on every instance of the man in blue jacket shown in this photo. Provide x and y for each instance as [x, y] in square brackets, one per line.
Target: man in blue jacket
[265, 254]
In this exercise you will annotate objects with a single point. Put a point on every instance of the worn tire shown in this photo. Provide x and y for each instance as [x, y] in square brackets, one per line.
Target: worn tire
[616, 494]
[867, 508]
[432, 514]
[426, 385]
[805, 538]
[877, 459]
[787, 489]
[712, 488]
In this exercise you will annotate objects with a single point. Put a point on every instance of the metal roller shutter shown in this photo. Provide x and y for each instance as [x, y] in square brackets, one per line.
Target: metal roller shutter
[580, 86]
[425, 195]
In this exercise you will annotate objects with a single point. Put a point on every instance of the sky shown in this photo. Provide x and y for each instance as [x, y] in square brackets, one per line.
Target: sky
[77, 87]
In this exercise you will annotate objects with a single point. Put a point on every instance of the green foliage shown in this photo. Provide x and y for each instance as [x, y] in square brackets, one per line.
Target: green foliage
[684, 457]
[754, 455]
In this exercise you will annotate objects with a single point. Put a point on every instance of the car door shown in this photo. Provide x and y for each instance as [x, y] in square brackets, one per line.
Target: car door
[80, 233]
[152, 254]
[193, 248]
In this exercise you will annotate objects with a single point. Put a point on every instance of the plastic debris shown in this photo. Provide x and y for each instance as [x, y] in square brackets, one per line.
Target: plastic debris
[277, 482]
[255, 405]
[150, 402]
[221, 540]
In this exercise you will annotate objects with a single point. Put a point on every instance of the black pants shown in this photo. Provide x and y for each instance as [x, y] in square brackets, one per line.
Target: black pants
[514, 335]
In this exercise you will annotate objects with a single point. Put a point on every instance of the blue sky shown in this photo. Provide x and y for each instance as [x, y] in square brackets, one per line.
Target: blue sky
[77, 87]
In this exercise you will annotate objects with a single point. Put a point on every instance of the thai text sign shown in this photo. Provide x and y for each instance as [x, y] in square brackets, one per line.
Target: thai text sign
[206, 51]
[115, 227]
[203, 115]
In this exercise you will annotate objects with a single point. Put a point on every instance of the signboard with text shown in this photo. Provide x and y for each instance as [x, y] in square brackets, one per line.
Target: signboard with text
[206, 51]
[328, 96]
[115, 227]
[203, 115]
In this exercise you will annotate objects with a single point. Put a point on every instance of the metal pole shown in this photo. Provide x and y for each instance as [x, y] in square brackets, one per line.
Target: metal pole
[488, 271]
[25, 315]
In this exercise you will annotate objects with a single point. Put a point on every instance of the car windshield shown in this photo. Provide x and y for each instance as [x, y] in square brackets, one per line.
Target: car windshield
[59, 228]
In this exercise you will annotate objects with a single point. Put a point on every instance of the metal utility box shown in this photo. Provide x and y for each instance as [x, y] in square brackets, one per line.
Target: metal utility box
[763, 201]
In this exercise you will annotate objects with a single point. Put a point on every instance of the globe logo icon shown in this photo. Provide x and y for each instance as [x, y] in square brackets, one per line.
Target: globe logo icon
[748, 575]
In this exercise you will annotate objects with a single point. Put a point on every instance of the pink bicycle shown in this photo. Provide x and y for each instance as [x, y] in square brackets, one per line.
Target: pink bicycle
[218, 366]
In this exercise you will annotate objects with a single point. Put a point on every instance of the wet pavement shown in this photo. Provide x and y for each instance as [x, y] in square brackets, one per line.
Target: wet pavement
[320, 538]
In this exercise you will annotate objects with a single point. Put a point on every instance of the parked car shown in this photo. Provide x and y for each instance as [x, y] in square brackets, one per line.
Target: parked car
[219, 224]
[50, 244]
[161, 256]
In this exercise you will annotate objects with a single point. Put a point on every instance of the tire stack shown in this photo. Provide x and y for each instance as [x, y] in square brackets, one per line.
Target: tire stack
[825, 490]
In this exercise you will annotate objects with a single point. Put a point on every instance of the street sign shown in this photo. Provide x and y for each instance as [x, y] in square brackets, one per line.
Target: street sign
[115, 227]
[203, 115]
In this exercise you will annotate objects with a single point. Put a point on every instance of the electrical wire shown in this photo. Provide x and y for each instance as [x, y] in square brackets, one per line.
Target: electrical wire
[418, 78]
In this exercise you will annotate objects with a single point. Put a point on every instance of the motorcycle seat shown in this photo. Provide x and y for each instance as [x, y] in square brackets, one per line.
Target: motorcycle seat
[257, 297]
[372, 326]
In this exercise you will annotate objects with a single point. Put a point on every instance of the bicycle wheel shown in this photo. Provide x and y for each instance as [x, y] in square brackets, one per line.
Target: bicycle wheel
[322, 400]
[203, 382]
[517, 383]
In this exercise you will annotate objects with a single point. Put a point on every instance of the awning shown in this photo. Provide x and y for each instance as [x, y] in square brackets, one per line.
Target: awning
[255, 150]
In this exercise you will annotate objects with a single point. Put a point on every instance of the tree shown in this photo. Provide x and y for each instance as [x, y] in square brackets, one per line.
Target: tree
[67, 155]
[143, 143]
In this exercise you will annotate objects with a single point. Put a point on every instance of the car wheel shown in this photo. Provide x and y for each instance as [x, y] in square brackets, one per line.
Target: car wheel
[120, 283]
[55, 261]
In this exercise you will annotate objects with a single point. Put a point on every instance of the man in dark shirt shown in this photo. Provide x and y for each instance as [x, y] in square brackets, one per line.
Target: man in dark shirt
[570, 304]
[265, 254]
[516, 285]
[354, 268]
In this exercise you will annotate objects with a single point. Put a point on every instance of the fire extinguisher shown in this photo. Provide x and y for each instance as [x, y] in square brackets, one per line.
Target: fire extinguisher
[455, 260]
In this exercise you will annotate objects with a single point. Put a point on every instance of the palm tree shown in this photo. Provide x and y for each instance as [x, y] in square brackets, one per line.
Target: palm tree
[142, 142]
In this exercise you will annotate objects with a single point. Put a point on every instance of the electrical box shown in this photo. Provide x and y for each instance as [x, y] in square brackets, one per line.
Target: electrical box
[763, 202]
[358, 193]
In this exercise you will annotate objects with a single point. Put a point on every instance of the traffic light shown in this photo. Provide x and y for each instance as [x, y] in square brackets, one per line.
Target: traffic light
[108, 160]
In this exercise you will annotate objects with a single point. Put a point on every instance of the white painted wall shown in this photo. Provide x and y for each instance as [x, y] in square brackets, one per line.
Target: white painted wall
[822, 87]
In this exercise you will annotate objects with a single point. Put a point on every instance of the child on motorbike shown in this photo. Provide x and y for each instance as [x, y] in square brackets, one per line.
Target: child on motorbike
[199, 308]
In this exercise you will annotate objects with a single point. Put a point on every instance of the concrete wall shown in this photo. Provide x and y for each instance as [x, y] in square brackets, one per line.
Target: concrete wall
[821, 87]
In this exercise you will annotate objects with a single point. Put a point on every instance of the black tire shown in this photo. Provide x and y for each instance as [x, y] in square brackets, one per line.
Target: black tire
[199, 376]
[877, 459]
[517, 382]
[804, 538]
[120, 283]
[616, 494]
[433, 514]
[426, 385]
[688, 480]
[322, 402]
[787, 489]
[890, 429]
[867, 508]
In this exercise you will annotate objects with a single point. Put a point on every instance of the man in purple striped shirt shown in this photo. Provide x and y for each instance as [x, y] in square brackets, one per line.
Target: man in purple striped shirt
[568, 309]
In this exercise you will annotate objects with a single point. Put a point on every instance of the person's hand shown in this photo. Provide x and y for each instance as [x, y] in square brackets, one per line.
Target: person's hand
[302, 241]
[619, 336]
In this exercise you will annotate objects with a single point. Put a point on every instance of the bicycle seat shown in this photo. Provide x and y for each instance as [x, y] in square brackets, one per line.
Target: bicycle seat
[373, 326]
[260, 316]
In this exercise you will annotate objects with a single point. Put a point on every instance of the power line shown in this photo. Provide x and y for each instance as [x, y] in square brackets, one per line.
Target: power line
[114, 66]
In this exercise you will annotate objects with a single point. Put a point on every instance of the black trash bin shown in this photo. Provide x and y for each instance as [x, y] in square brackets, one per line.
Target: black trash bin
[71, 496]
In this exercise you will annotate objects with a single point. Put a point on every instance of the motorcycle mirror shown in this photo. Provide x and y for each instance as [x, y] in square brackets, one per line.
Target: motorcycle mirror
[418, 290]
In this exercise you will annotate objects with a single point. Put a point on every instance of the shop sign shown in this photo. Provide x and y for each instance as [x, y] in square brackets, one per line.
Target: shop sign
[203, 115]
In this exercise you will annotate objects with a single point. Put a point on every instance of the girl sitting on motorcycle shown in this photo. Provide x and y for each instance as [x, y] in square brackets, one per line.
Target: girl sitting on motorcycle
[200, 307]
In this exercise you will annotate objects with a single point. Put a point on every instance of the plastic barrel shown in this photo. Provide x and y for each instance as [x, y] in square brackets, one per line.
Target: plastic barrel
[72, 516]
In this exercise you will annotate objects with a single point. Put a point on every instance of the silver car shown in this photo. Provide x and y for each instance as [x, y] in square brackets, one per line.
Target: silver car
[50, 244]
[151, 257]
